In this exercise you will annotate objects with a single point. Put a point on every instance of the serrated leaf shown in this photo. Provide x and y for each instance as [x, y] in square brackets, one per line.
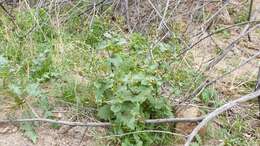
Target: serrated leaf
[33, 90]
[103, 45]
[15, 89]
[127, 119]
[116, 61]
[163, 47]
[104, 112]
[116, 108]
[121, 41]
[29, 132]
[3, 61]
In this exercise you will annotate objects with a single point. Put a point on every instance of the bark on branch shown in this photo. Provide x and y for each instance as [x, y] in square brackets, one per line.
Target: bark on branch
[219, 111]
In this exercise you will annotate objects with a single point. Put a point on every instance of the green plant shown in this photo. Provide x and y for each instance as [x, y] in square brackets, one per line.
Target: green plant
[239, 15]
[208, 95]
[129, 91]
[29, 128]
[94, 65]
[21, 94]
[4, 69]
[129, 95]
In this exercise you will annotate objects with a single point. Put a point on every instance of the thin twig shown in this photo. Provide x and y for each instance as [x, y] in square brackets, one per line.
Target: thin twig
[216, 32]
[258, 88]
[219, 111]
[230, 46]
[165, 12]
[88, 124]
[210, 82]
[249, 15]
[8, 14]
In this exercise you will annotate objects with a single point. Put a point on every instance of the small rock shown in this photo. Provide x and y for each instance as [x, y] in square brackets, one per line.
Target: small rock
[186, 128]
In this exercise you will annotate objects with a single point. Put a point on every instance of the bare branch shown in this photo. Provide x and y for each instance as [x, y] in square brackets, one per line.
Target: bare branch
[258, 88]
[215, 32]
[102, 124]
[219, 111]
[230, 46]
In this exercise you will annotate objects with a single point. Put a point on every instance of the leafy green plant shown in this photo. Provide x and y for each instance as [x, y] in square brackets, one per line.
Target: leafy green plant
[129, 94]
[29, 128]
[20, 92]
[95, 34]
[239, 15]
[208, 95]
[30, 90]
[4, 69]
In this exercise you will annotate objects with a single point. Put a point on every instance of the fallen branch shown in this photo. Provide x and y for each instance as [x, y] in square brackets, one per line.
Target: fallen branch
[219, 111]
[88, 124]
[102, 124]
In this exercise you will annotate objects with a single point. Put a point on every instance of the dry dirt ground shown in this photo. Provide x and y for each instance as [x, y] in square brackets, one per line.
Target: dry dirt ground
[11, 135]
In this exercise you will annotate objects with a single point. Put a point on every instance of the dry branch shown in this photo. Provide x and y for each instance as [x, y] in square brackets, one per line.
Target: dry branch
[219, 111]
[102, 124]
[258, 88]
[209, 82]
[216, 32]
[230, 46]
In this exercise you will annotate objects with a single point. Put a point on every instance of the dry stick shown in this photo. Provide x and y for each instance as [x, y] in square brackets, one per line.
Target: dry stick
[102, 124]
[216, 32]
[165, 24]
[216, 14]
[249, 15]
[230, 46]
[162, 19]
[209, 22]
[258, 88]
[8, 14]
[218, 111]
[165, 12]
[208, 82]
[127, 15]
